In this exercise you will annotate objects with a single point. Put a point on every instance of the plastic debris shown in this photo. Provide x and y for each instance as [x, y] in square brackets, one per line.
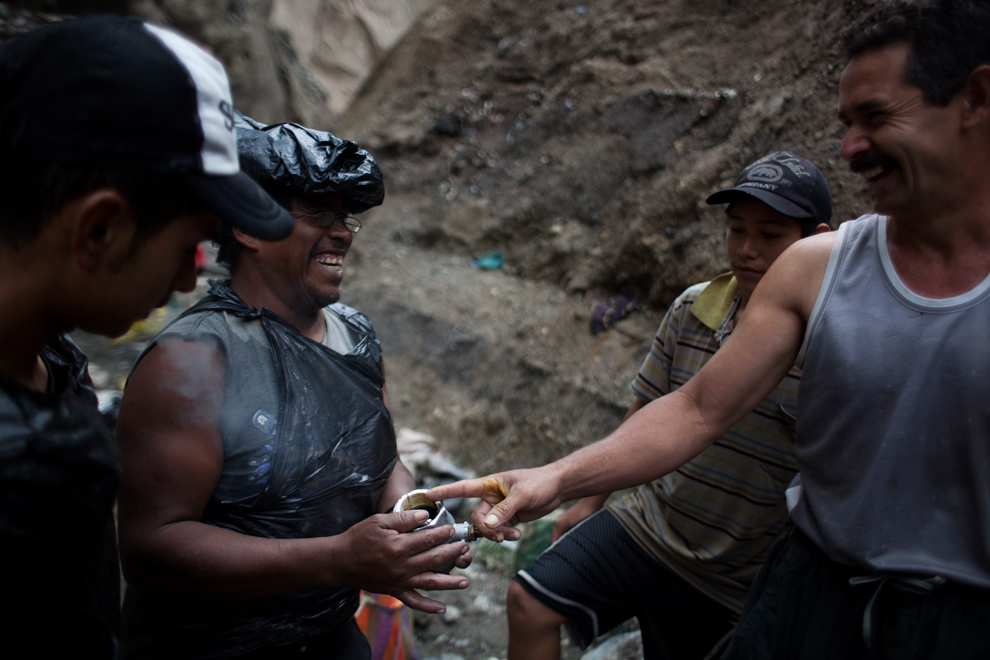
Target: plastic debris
[493, 260]
[421, 455]
[109, 404]
[606, 314]
[387, 623]
[144, 327]
[618, 647]
[535, 539]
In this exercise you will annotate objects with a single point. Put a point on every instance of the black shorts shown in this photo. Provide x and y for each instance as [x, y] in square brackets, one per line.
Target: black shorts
[803, 607]
[598, 576]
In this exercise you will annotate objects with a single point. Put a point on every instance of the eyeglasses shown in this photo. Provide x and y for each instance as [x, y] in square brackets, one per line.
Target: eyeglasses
[325, 219]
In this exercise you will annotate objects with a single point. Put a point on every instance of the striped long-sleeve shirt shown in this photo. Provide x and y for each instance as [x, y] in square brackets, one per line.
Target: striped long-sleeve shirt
[712, 520]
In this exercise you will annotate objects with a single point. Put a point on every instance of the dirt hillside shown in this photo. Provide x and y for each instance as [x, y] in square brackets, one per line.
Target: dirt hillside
[579, 140]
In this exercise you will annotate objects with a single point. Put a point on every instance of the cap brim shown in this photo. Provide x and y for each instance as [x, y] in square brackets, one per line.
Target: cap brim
[242, 203]
[777, 203]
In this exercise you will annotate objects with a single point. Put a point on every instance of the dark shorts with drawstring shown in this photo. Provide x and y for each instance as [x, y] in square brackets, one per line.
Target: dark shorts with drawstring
[803, 607]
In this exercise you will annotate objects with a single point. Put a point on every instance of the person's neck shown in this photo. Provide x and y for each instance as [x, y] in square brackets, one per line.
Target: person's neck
[944, 255]
[258, 292]
[26, 326]
[940, 247]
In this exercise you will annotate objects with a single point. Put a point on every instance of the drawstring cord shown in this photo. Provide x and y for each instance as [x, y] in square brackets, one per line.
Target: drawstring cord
[924, 584]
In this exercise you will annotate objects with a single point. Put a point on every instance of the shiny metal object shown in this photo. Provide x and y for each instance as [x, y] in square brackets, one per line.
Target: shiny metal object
[439, 516]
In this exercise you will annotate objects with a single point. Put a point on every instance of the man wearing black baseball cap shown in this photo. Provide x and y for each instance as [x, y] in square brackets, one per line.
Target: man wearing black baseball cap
[786, 183]
[117, 156]
[681, 552]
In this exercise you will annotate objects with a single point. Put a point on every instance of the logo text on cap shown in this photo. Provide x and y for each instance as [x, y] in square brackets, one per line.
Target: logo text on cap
[765, 172]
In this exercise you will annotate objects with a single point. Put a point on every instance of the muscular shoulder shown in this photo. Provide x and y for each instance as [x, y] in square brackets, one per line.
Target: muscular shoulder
[795, 277]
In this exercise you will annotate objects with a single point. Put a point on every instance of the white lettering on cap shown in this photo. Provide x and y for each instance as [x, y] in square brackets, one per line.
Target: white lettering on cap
[213, 100]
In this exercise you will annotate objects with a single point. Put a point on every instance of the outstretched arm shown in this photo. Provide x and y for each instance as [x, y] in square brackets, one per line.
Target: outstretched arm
[674, 428]
[592, 503]
[169, 436]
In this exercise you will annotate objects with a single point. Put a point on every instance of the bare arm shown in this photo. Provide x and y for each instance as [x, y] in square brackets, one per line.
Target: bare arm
[588, 505]
[674, 428]
[169, 436]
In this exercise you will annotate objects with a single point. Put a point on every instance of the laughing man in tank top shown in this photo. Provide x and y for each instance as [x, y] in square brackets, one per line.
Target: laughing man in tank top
[888, 317]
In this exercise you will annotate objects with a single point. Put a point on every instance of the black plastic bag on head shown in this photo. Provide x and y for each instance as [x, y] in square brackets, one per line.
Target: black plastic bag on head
[303, 162]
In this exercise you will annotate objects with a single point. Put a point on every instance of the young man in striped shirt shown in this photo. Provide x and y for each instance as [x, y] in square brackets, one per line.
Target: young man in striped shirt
[681, 552]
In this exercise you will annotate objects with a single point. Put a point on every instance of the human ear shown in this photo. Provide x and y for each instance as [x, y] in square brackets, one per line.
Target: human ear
[103, 228]
[822, 228]
[976, 96]
[250, 242]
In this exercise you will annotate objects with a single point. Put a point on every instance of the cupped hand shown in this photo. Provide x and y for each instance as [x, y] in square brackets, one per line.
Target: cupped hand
[382, 555]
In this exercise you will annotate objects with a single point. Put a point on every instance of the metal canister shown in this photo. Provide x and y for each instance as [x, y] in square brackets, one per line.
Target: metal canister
[439, 516]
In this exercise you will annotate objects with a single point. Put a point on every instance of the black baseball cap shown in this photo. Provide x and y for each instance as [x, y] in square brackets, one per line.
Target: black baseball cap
[117, 94]
[786, 183]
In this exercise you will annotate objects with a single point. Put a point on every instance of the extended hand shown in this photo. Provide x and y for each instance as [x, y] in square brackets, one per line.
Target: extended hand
[381, 555]
[507, 498]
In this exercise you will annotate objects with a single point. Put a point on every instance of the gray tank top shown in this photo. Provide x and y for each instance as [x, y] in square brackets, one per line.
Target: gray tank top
[893, 431]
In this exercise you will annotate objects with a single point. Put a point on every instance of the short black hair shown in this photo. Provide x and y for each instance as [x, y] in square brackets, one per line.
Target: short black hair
[32, 192]
[225, 242]
[949, 38]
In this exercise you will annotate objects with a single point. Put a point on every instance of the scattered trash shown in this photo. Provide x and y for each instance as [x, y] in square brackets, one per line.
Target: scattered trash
[452, 614]
[483, 604]
[606, 314]
[493, 260]
[581, 9]
[421, 455]
[626, 646]
[386, 622]
[99, 376]
[535, 539]
[150, 327]
[200, 258]
[109, 404]
[494, 555]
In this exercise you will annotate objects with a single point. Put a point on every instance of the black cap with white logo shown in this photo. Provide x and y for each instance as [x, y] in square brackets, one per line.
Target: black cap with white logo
[786, 183]
[118, 94]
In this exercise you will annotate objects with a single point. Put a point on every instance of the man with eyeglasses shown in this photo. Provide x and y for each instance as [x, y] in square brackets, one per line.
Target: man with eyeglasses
[258, 445]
